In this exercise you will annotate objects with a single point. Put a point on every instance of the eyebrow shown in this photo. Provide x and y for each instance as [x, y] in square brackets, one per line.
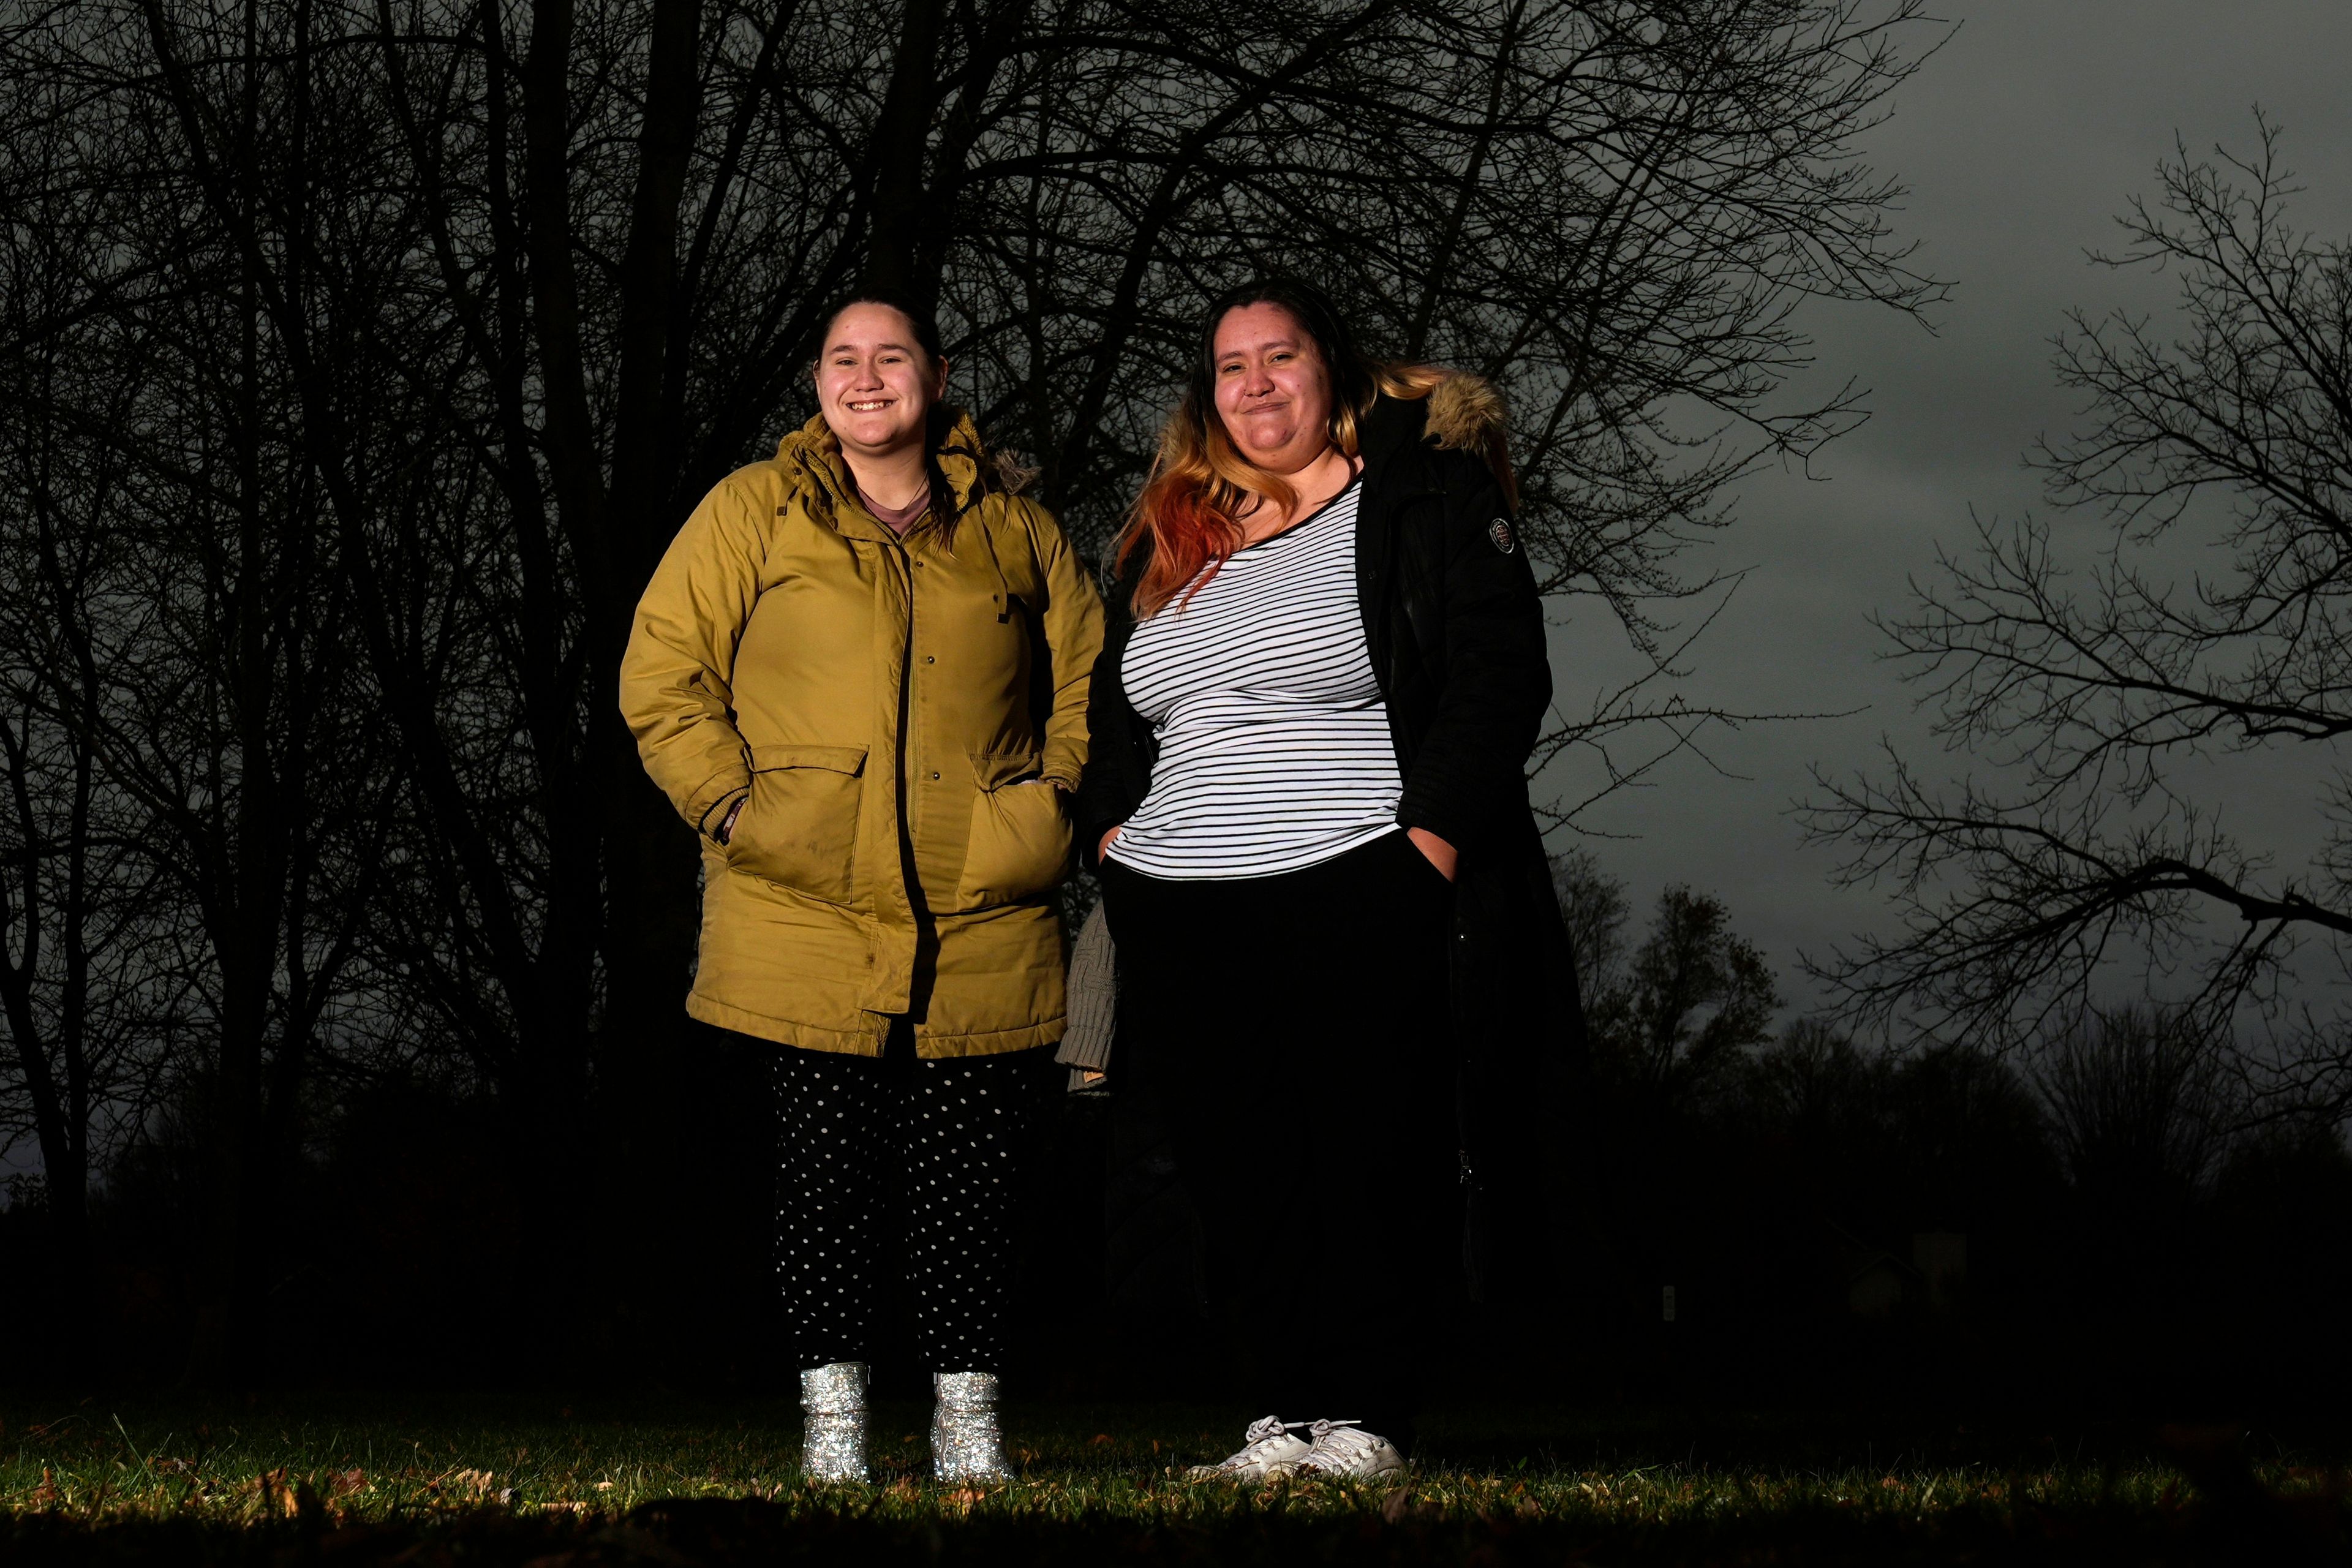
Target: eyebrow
[1270, 343]
[902, 348]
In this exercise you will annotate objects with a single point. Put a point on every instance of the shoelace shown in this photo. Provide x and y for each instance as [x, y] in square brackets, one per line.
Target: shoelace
[1265, 1429]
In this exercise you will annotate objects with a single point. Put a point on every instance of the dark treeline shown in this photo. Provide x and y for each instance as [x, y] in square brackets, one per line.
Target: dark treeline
[357, 361]
[2116, 1222]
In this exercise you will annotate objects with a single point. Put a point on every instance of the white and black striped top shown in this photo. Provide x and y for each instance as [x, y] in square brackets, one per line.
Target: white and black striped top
[1274, 742]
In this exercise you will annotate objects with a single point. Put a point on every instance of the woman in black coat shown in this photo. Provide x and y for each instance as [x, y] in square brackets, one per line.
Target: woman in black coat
[1345, 985]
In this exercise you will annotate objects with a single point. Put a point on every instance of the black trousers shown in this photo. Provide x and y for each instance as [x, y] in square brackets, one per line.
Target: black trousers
[1292, 1032]
[895, 1166]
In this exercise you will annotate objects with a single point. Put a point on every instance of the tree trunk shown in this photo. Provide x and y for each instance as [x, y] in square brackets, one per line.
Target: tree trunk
[245, 885]
[901, 139]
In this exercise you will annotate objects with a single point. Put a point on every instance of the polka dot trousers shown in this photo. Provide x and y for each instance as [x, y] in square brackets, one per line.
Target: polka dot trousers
[895, 1160]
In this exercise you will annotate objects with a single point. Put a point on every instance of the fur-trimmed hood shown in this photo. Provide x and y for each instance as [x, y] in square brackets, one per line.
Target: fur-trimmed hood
[1466, 413]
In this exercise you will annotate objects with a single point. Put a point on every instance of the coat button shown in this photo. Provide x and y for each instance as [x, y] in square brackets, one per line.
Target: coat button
[935, 775]
[928, 659]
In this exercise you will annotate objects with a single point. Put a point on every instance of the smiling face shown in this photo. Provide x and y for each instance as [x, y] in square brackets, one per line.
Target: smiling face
[1273, 391]
[874, 384]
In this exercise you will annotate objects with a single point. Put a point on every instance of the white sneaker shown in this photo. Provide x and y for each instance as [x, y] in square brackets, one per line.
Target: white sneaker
[1342, 1449]
[1268, 1449]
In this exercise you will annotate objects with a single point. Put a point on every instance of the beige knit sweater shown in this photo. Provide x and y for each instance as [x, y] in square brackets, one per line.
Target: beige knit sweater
[1093, 994]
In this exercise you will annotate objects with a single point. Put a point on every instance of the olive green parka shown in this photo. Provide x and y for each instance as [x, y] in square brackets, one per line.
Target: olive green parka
[902, 720]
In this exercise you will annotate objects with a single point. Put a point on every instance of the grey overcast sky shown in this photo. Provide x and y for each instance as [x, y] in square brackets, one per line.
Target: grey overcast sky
[2020, 142]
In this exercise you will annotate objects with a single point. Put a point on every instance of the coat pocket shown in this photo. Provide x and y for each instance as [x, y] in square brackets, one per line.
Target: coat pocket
[1021, 833]
[799, 827]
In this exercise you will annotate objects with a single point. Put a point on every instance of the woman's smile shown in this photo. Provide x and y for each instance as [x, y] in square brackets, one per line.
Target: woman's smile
[878, 383]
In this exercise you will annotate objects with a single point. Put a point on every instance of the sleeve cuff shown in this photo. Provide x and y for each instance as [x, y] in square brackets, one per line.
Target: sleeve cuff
[1060, 767]
[1409, 814]
[711, 819]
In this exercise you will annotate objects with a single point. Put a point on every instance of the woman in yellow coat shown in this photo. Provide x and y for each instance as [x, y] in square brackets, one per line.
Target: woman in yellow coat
[860, 673]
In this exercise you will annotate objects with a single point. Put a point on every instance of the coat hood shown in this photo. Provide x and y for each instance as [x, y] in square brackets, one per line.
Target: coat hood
[963, 459]
[1461, 412]
[1466, 414]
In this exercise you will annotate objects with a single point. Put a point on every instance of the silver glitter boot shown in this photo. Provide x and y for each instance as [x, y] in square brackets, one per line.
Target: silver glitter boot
[833, 1405]
[965, 1445]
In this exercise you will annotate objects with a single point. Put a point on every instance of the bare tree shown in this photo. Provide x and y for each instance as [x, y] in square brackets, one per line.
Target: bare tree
[89, 1012]
[90, 997]
[2140, 1102]
[1593, 904]
[2021, 897]
[1673, 1019]
[1697, 998]
[187, 630]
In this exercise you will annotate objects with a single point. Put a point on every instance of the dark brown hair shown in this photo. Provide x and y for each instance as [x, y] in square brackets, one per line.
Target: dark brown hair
[925, 322]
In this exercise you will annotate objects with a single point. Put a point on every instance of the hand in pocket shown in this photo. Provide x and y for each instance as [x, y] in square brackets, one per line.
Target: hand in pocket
[798, 826]
[1020, 844]
[1441, 854]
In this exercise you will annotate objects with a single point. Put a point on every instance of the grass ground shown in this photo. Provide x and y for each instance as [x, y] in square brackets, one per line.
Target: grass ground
[476, 1481]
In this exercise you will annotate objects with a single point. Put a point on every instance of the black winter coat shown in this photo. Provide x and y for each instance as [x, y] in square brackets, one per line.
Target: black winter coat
[1455, 630]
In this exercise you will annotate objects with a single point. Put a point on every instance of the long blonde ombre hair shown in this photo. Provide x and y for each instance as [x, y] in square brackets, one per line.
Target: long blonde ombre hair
[1190, 506]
